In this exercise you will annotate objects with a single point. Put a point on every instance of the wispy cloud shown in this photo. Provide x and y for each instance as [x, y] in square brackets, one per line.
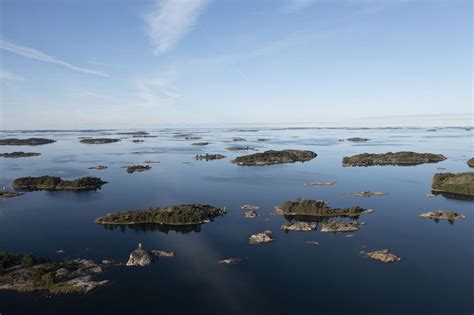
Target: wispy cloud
[6, 75]
[293, 6]
[170, 20]
[38, 55]
[158, 90]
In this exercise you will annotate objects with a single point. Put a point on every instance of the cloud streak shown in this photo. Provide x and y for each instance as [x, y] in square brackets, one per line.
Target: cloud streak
[38, 55]
[170, 20]
[296, 5]
[6, 75]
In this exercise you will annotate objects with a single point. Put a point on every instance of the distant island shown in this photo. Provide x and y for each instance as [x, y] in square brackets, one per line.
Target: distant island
[26, 273]
[275, 157]
[98, 140]
[134, 133]
[186, 214]
[390, 158]
[138, 168]
[52, 183]
[357, 139]
[453, 185]
[209, 157]
[19, 154]
[308, 207]
[29, 141]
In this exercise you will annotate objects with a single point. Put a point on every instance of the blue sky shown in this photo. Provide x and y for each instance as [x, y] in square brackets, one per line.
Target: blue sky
[106, 64]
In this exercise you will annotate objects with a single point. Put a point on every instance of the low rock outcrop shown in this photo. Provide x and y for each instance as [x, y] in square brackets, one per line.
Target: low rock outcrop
[299, 226]
[261, 238]
[142, 258]
[384, 255]
[339, 226]
[439, 214]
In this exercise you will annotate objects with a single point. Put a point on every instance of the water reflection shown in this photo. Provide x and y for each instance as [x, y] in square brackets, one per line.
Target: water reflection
[182, 229]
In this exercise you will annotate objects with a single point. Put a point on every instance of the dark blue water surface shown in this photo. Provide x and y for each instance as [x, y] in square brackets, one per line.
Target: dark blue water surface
[287, 276]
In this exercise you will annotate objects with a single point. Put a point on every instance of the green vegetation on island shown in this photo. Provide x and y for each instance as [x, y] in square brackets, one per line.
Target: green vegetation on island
[52, 183]
[453, 185]
[98, 140]
[470, 162]
[19, 154]
[29, 141]
[173, 215]
[390, 158]
[438, 214]
[138, 168]
[308, 207]
[275, 157]
[26, 273]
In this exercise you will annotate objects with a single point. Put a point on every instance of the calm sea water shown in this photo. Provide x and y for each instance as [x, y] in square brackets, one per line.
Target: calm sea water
[287, 276]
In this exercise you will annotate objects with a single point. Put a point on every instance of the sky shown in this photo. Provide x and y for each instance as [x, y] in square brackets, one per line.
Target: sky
[134, 64]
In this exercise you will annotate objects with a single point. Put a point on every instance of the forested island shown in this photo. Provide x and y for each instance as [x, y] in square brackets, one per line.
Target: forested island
[185, 214]
[29, 141]
[19, 154]
[26, 273]
[52, 183]
[308, 207]
[98, 140]
[138, 168]
[275, 157]
[390, 158]
[453, 185]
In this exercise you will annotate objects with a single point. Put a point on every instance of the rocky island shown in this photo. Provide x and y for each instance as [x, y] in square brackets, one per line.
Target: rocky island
[29, 141]
[10, 194]
[188, 214]
[317, 208]
[357, 139]
[470, 162]
[299, 226]
[98, 140]
[240, 148]
[26, 273]
[200, 143]
[339, 226]
[260, 238]
[138, 168]
[405, 158]
[275, 157]
[98, 167]
[454, 185]
[19, 154]
[209, 157]
[52, 183]
[438, 214]
[384, 255]
[141, 258]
